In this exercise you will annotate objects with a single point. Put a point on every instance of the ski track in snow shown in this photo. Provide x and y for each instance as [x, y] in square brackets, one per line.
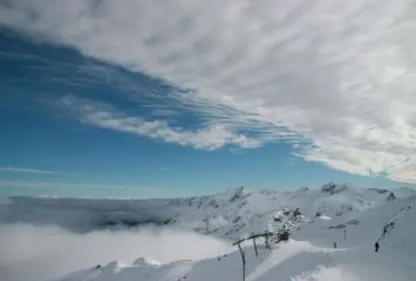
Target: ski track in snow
[278, 255]
[179, 271]
[326, 274]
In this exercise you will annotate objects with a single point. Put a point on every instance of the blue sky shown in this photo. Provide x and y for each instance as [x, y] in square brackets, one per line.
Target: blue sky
[98, 106]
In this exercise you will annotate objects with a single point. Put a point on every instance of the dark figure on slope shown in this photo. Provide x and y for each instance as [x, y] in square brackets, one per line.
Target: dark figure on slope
[376, 246]
[335, 245]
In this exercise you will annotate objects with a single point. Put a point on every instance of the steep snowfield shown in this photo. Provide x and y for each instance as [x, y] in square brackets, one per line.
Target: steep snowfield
[309, 256]
[232, 214]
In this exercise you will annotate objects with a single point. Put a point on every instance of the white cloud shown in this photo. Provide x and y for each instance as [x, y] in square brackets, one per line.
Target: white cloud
[341, 75]
[40, 253]
[9, 169]
[211, 137]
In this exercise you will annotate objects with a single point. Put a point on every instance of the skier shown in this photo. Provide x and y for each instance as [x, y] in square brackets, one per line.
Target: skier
[335, 245]
[376, 245]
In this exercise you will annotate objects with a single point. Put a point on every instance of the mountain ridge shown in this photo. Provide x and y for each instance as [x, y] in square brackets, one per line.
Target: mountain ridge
[234, 213]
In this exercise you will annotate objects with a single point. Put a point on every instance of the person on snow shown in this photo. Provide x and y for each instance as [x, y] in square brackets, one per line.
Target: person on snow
[376, 246]
[335, 245]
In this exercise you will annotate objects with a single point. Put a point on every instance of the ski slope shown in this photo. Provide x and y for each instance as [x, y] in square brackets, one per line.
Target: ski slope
[308, 256]
[366, 214]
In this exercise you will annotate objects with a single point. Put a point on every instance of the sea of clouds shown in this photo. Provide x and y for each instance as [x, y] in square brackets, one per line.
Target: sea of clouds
[39, 253]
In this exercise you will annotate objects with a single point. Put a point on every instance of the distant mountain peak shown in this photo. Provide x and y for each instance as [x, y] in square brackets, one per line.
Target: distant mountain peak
[236, 193]
[391, 196]
[333, 188]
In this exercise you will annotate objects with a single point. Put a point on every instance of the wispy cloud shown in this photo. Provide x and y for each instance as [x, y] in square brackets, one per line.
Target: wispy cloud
[236, 151]
[8, 169]
[164, 112]
[51, 184]
[211, 137]
[341, 76]
[120, 190]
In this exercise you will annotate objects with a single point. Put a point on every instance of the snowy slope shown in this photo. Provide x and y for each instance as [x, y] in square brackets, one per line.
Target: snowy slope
[309, 256]
[404, 192]
[232, 214]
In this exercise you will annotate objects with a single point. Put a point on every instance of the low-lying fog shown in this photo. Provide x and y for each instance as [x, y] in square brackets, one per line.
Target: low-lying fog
[37, 253]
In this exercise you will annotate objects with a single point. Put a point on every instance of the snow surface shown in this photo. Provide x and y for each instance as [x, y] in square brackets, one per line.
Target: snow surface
[308, 256]
[350, 216]
[325, 218]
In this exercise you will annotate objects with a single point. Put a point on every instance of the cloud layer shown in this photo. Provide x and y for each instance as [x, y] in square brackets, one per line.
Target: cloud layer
[38, 253]
[9, 169]
[339, 76]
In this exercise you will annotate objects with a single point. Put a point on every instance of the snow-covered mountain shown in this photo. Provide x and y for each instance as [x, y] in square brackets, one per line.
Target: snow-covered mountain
[232, 214]
[308, 256]
[350, 216]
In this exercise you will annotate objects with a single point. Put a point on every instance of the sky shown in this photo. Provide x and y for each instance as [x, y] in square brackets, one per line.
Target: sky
[164, 99]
